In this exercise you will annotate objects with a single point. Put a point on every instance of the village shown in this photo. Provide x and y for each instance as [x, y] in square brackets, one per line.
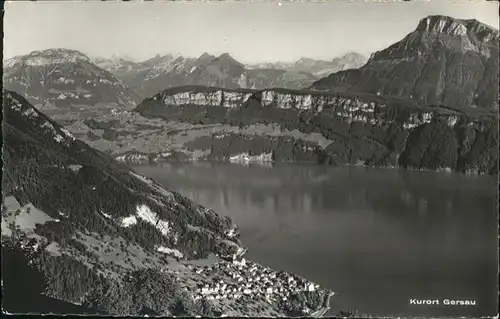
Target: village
[245, 279]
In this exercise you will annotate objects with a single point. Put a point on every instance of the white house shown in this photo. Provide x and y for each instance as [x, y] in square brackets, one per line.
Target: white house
[309, 287]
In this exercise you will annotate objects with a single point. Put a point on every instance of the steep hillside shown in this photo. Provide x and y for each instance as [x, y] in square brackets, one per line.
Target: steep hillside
[60, 78]
[444, 61]
[96, 234]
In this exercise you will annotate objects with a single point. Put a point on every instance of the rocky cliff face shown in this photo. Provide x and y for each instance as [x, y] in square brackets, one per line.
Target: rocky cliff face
[60, 78]
[101, 235]
[368, 130]
[444, 61]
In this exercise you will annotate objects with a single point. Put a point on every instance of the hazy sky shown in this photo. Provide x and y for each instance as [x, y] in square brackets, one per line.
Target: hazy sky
[250, 32]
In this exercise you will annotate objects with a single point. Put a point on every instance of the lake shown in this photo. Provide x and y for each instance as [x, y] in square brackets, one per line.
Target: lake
[377, 237]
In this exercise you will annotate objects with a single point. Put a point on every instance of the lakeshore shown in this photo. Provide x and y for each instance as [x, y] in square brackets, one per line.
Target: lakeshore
[241, 286]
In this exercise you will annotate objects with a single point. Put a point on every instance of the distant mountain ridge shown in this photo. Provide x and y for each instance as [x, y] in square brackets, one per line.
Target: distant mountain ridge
[59, 78]
[443, 61]
[318, 68]
[162, 72]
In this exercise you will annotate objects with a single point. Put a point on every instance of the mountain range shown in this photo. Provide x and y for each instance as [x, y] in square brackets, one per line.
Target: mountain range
[160, 72]
[59, 78]
[443, 61]
[446, 65]
[319, 68]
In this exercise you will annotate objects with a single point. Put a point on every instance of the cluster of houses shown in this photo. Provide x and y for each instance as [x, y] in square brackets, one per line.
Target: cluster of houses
[246, 279]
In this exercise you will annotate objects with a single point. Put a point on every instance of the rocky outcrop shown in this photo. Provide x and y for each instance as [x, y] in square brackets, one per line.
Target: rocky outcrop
[60, 78]
[368, 130]
[444, 61]
[96, 234]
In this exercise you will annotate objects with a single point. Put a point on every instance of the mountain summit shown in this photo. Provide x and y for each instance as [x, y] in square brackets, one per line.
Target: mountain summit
[227, 58]
[443, 61]
[459, 36]
[62, 78]
[438, 24]
[204, 58]
[47, 57]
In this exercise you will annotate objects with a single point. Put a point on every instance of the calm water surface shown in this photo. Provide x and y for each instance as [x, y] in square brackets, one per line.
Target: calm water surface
[377, 237]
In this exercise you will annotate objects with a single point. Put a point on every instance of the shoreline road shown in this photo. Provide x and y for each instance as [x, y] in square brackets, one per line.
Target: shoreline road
[326, 306]
[320, 313]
